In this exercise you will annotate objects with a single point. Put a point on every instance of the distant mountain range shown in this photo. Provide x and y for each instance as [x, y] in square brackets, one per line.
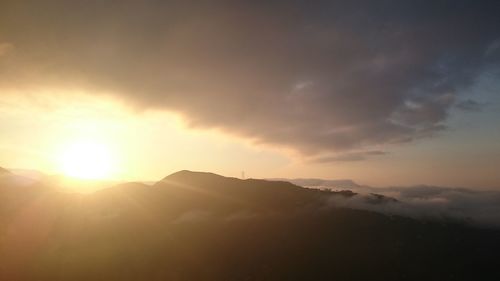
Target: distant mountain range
[202, 226]
[345, 183]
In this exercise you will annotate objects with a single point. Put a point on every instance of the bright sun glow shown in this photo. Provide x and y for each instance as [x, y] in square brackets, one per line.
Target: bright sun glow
[87, 160]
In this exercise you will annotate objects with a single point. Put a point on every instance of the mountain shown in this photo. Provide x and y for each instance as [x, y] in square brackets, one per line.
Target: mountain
[313, 182]
[4, 171]
[202, 226]
[10, 178]
[5, 177]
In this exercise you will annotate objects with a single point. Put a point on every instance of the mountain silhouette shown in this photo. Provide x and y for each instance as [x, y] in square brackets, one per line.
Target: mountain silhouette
[313, 182]
[202, 226]
[4, 171]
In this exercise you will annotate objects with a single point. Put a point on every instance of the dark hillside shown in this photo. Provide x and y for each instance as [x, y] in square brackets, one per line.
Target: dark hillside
[200, 226]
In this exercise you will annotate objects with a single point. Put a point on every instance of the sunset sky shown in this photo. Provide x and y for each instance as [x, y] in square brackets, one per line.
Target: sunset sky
[381, 92]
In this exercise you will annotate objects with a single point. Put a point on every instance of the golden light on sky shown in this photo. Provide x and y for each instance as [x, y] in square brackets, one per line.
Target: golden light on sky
[97, 137]
[87, 159]
[86, 136]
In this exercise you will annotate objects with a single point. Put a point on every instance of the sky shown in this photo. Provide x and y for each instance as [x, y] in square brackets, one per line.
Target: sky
[381, 92]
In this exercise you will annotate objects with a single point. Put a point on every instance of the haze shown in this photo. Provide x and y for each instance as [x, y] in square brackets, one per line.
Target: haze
[249, 140]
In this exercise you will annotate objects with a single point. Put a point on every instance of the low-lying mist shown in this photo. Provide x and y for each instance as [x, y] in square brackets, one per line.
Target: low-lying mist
[477, 207]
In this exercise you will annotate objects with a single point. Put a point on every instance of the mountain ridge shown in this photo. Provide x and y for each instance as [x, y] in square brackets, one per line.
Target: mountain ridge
[317, 182]
[4, 171]
[203, 226]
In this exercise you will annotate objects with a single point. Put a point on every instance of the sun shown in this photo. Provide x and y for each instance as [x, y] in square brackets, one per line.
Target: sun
[87, 159]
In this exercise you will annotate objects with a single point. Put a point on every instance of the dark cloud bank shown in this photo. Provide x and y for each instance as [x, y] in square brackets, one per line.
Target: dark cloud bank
[318, 77]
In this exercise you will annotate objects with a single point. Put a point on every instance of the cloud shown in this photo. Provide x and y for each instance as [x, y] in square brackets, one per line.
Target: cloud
[469, 105]
[320, 78]
[429, 202]
[348, 157]
[5, 48]
[493, 48]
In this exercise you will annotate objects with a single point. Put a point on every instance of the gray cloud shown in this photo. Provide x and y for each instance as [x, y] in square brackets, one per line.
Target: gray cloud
[469, 105]
[348, 157]
[318, 77]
